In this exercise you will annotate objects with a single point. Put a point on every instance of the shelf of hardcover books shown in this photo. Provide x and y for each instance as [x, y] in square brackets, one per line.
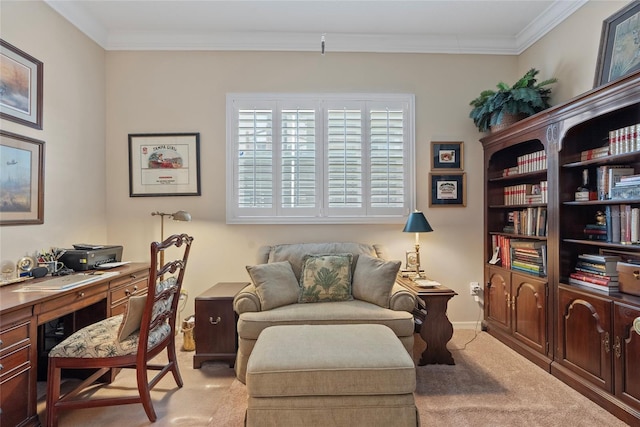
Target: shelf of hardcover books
[600, 201]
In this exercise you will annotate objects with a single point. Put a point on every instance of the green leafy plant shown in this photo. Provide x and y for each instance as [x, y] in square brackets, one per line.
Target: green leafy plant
[525, 98]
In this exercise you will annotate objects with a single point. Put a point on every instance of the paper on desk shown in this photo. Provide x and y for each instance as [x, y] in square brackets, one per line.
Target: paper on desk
[64, 283]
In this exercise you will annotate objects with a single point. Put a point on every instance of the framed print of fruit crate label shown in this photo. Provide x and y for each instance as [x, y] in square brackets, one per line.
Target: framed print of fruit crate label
[447, 189]
[446, 155]
[166, 164]
[20, 86]
[21, 180]
[619, 45]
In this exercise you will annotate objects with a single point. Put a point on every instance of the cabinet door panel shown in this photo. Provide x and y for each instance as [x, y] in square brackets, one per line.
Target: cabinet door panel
[529, 311]
[585, 341]
[497, 297]
[627, 355]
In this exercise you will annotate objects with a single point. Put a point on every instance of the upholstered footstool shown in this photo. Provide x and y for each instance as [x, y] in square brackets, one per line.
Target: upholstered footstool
[330, 376]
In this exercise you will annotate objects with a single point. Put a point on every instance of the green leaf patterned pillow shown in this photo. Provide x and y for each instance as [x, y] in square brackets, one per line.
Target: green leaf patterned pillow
[326, 278]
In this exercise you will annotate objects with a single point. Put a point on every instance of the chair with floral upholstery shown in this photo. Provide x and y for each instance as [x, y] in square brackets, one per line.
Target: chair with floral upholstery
[125, 341]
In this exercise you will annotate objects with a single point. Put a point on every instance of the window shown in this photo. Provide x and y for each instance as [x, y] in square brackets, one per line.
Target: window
[344, 158]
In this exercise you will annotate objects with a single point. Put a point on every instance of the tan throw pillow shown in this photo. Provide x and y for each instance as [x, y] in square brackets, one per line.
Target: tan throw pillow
[326, 278]
[373, 279]
[132, 316]
[275, 283]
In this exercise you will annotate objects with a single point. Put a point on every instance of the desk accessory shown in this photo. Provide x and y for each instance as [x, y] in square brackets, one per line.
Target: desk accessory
[416, 223]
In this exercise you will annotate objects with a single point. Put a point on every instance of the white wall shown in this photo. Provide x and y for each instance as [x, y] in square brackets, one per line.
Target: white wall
[73, 130]
[185, 92]
[93, 100]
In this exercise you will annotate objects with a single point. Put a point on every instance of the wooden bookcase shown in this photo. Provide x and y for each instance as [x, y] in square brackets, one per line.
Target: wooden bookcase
[580, 335]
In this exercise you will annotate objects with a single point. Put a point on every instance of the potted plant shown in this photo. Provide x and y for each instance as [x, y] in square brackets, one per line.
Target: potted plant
[509, 104]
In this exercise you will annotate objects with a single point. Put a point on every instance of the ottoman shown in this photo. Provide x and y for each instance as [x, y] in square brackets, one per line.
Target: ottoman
[330, 375]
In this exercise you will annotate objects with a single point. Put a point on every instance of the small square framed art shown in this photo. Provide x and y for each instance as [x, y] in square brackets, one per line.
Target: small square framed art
[447, 189]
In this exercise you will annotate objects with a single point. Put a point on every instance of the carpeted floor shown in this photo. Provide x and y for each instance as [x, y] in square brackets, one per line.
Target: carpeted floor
[490, 385]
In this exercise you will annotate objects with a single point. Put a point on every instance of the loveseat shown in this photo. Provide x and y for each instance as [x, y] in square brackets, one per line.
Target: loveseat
[290, 287]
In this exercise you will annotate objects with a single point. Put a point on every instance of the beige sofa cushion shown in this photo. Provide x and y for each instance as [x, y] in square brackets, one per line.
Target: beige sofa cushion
[275, 284]
[295, 253]
[373, 279]
[329, 360]
[251, 324]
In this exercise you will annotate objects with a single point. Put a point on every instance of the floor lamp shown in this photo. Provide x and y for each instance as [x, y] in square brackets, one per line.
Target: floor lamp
[176, 216]
[417, 223]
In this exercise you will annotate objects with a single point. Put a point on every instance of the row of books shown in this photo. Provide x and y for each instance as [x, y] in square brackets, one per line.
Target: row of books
[527, 256]
[621, 141]
[529, 222]
[624, 140]
[596, 272]
[531, 162]
[622, 224]
[610, 177]
[526, 194]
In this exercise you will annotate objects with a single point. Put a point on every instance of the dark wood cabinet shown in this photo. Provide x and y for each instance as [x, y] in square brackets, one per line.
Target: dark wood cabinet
[215, 329]
[581, 334]
[516, 312]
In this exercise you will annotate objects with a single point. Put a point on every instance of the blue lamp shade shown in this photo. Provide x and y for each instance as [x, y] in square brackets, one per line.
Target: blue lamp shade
[417, 223]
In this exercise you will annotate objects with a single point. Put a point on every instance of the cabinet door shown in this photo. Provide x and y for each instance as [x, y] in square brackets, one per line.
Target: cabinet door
[529, 311]
[497, 298]
[584, 340]
[626, 348]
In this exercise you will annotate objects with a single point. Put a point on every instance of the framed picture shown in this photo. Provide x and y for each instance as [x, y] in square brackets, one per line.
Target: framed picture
[447, 189]
[21, 180]
[447, 155]
[412, 261]
[619, 44]
[164, 164]
[21, 86]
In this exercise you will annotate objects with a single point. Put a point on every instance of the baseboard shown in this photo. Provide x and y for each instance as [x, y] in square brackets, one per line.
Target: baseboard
[466, 325]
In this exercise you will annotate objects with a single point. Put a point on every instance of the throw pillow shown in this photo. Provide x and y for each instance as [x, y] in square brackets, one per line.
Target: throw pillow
[373, 279]
[275, 283]
[326, 278]
[132, 317]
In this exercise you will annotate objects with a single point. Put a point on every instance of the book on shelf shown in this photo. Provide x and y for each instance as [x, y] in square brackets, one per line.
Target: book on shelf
[594, 153]
[608, 288]
[594, 278]
[604, 263]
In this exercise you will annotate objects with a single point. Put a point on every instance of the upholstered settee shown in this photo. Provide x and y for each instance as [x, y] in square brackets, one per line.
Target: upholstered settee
[290, 287]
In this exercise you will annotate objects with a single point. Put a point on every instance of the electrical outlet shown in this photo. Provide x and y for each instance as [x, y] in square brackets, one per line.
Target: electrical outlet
[474, 288]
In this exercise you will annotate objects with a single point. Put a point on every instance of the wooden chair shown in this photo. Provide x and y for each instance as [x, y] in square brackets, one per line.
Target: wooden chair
[107, 344]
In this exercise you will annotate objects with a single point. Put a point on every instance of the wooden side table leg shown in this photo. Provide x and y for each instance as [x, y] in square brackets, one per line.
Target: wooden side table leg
[436, 331]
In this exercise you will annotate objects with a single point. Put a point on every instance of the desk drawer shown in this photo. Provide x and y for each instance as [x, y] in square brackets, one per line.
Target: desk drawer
[77, 299]
[123, 293]
[10, 361]
[14, 336]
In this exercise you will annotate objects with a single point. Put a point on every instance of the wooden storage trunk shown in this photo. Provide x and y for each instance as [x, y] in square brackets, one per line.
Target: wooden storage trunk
[629, 278]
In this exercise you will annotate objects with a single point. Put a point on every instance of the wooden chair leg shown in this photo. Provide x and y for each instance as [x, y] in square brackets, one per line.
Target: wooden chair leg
[173, 360]
[145, 394]
[53, 393]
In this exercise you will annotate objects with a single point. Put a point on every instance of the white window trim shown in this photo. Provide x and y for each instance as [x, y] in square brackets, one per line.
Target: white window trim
[270, 215]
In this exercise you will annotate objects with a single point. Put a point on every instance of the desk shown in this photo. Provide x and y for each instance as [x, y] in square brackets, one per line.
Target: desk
[436, 329]
[22, 312]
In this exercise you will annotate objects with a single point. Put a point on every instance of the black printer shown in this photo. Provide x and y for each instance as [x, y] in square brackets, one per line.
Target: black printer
[87, 257]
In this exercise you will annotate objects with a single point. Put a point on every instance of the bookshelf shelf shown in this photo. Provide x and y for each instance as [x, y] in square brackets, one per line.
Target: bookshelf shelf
[557, 323]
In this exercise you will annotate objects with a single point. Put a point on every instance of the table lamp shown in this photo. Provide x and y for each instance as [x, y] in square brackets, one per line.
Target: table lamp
[417, 223]
[176, 216]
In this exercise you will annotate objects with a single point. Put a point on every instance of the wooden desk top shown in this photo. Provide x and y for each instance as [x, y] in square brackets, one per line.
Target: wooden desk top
[439, 290]
[11, 300]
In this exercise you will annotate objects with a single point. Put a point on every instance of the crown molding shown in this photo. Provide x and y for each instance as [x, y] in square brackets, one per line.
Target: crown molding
[310, 42]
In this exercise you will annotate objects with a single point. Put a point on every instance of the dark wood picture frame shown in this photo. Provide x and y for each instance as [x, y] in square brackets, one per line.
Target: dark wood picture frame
[21, 180]
[447, 189]
[164, 164]
[618, 38]
[21, 80]
[447, 155]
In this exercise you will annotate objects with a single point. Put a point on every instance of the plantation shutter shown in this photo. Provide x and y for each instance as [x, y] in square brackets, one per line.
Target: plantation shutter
[387, 158]
[344, 160]
[299, 161]
[254, 160]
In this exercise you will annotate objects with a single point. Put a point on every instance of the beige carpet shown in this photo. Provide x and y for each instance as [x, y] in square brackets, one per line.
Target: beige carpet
[490, 385]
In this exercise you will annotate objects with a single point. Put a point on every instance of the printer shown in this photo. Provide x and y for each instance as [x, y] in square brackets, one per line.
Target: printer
[88, 257]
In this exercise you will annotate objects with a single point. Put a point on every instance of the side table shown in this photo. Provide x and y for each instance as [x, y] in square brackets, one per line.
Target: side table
[436, 329]
[215, 328]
